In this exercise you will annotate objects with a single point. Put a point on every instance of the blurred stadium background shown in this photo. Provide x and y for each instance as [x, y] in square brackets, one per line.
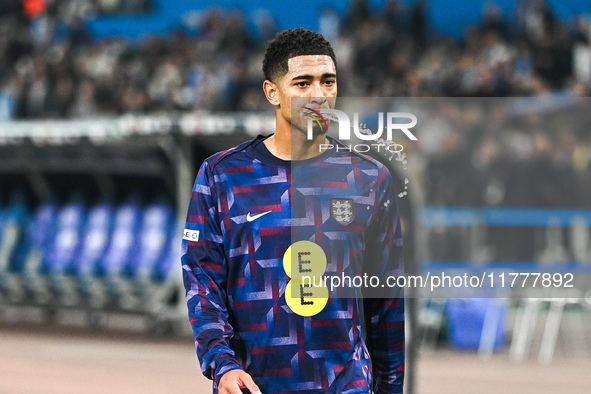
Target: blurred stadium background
[107, 108]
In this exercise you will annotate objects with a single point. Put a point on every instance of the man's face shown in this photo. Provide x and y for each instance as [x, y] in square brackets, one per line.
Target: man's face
[312, 83]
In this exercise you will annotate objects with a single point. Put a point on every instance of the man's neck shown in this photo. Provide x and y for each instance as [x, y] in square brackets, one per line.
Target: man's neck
[288, 145]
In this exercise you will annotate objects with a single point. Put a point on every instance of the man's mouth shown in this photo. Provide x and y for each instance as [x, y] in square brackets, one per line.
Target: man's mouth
[317, 116]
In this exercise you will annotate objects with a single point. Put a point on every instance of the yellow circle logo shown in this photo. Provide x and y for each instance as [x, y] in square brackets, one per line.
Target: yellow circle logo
[306, 293]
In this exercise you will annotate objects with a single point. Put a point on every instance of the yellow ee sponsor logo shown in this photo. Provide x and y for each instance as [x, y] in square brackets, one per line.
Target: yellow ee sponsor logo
[305, 259]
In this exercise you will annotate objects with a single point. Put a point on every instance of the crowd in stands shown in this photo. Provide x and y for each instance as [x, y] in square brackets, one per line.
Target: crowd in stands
[52, 68]
[488, 153]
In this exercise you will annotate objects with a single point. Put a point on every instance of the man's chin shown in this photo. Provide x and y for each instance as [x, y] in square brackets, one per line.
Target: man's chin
[316, 132]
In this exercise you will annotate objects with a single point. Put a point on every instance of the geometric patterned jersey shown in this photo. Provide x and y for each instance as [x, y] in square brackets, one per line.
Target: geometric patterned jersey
[247, 209]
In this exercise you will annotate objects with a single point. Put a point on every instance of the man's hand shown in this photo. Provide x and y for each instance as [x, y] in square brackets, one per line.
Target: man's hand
[236, 379]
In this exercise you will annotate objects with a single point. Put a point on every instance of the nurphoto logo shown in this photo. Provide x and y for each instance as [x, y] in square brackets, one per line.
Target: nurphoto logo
[345, 124]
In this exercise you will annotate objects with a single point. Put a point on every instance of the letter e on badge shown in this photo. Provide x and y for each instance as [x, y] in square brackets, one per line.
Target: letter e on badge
[191, 235]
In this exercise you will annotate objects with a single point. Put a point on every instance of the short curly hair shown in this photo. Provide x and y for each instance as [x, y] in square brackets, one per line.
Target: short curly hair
[291, 43]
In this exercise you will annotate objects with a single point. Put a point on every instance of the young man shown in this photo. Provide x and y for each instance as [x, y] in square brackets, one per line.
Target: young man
[255, 206]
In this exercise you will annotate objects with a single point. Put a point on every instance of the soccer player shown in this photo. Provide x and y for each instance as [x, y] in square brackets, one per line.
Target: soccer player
[257, 208]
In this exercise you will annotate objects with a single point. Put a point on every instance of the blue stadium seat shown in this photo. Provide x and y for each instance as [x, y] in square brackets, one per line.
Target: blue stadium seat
[95, 240]
[150, 249]
[161, 299]
[39, 234]
[127, 219]
[66, 240]
[13, 243]
[43, 221]
[136, 289]
[62, 248]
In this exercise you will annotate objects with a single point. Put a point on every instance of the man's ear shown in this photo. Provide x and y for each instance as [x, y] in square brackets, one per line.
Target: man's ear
[271, 92]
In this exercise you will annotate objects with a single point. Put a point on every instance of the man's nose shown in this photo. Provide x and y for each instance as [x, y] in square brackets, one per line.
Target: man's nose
[317, 94]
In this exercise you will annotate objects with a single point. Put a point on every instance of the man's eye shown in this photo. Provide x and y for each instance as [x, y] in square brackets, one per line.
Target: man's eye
[302, 84]
[330, 82]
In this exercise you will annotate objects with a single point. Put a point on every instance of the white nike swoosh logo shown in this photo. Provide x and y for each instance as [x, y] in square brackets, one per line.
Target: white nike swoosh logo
[250, 218]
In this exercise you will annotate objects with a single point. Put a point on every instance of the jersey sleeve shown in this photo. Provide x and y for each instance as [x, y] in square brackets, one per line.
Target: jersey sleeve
[384, 317]
[204, 276]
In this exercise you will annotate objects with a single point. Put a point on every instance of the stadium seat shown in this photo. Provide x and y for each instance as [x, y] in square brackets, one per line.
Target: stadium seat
[166, 288]
[158, 218]
[95, 239]
[11, 227]
[149, 251]
[39, 236]
[127, 219]
[63, 248]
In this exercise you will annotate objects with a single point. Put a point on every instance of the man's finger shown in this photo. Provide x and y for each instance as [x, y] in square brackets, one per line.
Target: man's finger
[233, 388]
[250, 384]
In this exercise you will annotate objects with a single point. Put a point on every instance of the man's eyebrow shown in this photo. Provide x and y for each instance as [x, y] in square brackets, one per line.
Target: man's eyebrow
[307, 76]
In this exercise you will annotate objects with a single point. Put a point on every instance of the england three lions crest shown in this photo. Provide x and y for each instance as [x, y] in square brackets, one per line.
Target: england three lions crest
[341, 210]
